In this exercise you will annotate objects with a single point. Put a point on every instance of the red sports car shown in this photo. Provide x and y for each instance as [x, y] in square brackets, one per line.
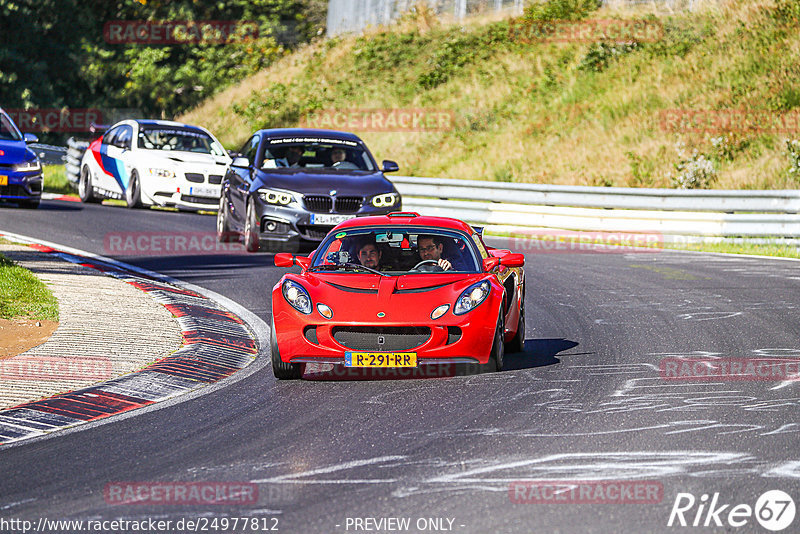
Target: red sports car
[399, 290]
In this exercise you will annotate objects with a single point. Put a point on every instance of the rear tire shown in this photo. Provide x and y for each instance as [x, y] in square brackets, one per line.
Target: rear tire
[495, 362]
[85, 189]
[282, 370]
[133, 194]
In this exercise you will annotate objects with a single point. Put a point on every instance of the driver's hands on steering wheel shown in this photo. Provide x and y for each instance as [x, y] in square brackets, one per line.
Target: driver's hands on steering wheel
[444, 264]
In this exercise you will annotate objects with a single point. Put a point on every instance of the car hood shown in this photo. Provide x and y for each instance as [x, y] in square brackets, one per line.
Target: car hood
[403, 299]
[172, 157]
[15, 152]
[357, 183]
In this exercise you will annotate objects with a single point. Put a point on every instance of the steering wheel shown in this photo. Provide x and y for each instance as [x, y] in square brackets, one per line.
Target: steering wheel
[432, 266]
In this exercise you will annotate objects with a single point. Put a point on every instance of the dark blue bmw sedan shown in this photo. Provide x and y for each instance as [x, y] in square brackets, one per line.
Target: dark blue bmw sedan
[20, 169]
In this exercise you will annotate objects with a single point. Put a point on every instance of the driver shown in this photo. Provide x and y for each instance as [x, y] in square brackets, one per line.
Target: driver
[430, 248]
[370, 255]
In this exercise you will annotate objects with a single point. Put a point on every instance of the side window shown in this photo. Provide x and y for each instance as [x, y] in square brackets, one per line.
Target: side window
[124, 137]
[249, 149]
[108, 138]
[478, 243]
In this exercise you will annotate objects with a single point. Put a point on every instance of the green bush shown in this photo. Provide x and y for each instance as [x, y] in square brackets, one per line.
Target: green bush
[560, 10]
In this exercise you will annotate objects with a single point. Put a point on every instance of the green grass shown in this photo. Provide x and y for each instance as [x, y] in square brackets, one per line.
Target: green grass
[22, 295]
[548, 112]
[55, 180]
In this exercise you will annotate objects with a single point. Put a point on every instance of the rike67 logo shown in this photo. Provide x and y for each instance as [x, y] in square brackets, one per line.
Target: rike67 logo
[774, 510]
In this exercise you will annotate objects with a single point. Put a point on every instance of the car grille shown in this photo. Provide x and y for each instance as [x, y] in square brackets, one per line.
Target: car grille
[395, 338]
[318, 203]
[348, 204]
[314, 233]
[13, 190]
[215, 179]
[195, 177]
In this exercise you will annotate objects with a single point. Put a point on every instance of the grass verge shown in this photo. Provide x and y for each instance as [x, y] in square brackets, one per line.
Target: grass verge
[23, 295]
[55, 180]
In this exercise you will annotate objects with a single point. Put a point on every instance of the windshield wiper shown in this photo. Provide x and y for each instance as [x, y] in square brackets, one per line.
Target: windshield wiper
[346, 266]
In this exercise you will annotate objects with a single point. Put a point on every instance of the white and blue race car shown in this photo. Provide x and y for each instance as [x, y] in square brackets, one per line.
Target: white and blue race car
[154, 163]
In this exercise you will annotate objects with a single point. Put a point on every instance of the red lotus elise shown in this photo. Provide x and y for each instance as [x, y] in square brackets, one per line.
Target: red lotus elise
[399, 290]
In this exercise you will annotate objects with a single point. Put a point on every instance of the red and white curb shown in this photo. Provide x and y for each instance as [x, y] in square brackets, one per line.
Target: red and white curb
[216, 344]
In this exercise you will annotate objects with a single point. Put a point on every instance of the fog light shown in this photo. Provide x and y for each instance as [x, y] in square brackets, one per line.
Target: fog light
[271, 226]
[438, 312]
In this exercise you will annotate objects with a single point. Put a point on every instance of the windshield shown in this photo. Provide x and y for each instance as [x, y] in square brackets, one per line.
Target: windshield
[396, 251]
[180, 139]
[309, 153]
[8, 131]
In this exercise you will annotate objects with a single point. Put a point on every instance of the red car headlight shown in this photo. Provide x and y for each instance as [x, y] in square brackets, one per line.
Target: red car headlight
[297, 296]
[471, 297]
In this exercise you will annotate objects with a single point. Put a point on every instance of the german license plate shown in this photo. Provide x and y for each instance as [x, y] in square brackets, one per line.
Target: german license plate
[201, 191]
[327, 218]
[380, 359]
[3, 179]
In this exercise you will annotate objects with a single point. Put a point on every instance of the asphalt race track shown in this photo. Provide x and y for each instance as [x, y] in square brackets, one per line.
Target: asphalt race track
[587, 401]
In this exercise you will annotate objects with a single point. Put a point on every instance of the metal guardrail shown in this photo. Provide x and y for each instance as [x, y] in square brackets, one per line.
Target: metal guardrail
[49, 154]
[665, 211]
[72, 164]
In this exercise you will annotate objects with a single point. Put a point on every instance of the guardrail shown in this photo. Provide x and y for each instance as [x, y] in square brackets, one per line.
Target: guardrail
[506, 206]
[72, 164]
[49, 154]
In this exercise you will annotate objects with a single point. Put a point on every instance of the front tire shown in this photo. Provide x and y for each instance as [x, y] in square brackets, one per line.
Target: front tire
[223, 225]
[85, 189]
[252, 228]
[282, 370]
[133, 194]
[495, 362]
[517, 344]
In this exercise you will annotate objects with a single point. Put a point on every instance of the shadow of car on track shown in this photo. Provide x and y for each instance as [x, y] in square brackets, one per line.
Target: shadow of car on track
[538, 353]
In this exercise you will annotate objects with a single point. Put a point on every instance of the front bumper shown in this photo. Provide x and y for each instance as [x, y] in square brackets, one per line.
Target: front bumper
[21, 186]
[287, 226]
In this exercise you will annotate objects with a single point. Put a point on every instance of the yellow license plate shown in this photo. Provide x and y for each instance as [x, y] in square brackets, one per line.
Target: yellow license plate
[380, 359]
[3, 179]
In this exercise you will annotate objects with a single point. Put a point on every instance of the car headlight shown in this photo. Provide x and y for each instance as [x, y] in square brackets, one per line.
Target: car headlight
[385, 201]
[271, 196]
[471, 297]
[161, 173]
[28, 166]
[297, 296]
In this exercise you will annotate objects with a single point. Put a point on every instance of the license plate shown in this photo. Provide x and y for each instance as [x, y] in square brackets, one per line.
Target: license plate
[380, 359]
[3, 179]
[201, 191]
[326, 218]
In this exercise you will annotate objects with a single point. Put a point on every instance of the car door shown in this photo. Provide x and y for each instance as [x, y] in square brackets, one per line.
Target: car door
[116, 144]
[239, 180]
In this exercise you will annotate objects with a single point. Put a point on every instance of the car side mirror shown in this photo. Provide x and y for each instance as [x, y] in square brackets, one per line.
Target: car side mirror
[30, 138]
[513, 259]
[241, 162]
[390, 166]
[490, 263]
[285, 259]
